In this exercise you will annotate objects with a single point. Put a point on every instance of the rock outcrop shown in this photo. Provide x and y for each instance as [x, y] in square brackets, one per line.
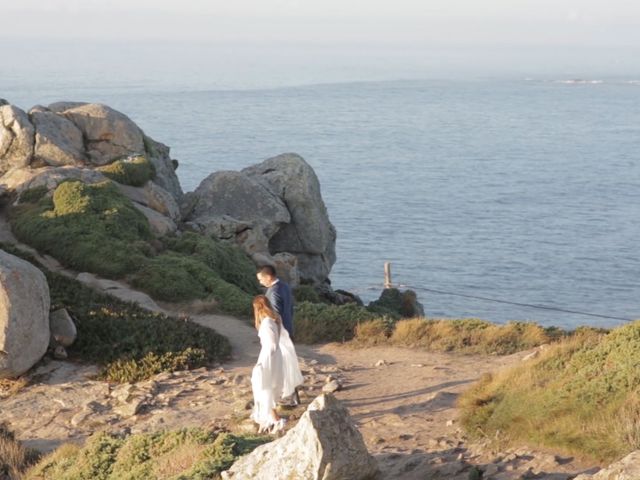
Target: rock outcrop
[24, 315]
[324, 445]
[274, 210]
[271, 208]
[69, 140]
[16, 138]
[626, 469]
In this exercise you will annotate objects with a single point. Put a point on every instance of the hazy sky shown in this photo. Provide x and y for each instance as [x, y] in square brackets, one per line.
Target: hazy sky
[406, 23]
[237, 43]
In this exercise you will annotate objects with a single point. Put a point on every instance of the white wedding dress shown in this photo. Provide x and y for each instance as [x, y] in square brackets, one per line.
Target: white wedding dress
[276, 373]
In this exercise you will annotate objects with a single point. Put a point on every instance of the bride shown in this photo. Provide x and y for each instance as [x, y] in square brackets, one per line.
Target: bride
[276, 373]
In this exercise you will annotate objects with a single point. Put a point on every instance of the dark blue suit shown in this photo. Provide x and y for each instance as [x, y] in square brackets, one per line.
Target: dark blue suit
[279, 294]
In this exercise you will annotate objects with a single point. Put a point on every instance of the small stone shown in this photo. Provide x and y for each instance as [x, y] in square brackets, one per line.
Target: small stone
[60, 353]
[381, 363]
[332, 386]
[450, 423]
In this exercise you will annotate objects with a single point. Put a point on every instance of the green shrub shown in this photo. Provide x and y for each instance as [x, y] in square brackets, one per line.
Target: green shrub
[87, 227]
[315, 322]
[95, 228]
[184, 454]
[134, 171]
[33, 195]
[175, 277]
[306, 293]
[228, 261]
[130, 342]
[581, 396]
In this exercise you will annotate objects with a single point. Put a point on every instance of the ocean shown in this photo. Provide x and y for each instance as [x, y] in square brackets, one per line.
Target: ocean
[522, 190]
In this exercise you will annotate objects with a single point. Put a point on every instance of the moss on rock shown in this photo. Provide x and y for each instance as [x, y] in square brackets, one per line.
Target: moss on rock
[87, 227]
[134, 171]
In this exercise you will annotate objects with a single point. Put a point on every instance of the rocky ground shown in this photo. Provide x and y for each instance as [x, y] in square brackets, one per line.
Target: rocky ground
[402, 400]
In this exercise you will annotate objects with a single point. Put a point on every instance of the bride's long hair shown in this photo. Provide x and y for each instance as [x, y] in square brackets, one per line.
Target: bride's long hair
[262, 308]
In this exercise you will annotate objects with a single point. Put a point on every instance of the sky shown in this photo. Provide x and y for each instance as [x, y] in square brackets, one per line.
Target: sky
[590, 23]
[359, 38]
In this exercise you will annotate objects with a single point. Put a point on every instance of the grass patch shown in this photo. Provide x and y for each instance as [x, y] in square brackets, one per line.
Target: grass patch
[184, 454]
[14, 457]
[175, 277]
[581, 395]
[467, 335]
[229, 262]
[314, 322]
[134, 171]
[306, 293]
[130, 342]
[87, 227]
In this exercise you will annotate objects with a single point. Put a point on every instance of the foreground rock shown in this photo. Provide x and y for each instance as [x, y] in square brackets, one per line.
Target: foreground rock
[24, 315]
[325, 444]
[626, 469]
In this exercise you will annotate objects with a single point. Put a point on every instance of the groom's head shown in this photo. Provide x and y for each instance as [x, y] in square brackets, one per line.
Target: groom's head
[266, 275]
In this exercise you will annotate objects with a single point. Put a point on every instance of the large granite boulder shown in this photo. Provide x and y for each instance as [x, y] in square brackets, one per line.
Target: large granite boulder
[58, 141]
[233, 204]
[109, 134]
[626, 469]
[17, 138]
[24, 315]
[324, 445]
[269, 209]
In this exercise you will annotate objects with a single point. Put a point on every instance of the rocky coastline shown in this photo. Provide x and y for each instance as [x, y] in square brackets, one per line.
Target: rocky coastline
[89, 201]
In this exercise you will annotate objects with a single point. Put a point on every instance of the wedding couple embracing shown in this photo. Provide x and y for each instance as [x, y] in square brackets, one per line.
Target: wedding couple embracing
[276, 373]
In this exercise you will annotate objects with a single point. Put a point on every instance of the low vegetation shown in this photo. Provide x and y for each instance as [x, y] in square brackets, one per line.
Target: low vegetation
[317, 322]
[581, 395]
[130, 342]
[134, 171]
[95, 228]
[455, 335]
[14, 457]
[193, 453]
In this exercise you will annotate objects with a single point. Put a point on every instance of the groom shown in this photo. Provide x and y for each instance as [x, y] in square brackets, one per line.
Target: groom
[279, 294]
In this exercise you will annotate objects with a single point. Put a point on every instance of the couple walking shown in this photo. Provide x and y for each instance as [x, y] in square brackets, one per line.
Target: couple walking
[276, 373]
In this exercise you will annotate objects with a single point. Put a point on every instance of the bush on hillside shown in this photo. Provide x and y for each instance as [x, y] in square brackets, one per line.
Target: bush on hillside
[87, 227]
[314, 322]
[306, 293]
[95, 228]
[228, 261]
[174, 277]
[188, 453]
[14, 457]
[581, 395]
[130, 342]
[134, 171]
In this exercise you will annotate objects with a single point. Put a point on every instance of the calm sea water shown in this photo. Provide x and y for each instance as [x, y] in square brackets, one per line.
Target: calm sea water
[521, 190]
